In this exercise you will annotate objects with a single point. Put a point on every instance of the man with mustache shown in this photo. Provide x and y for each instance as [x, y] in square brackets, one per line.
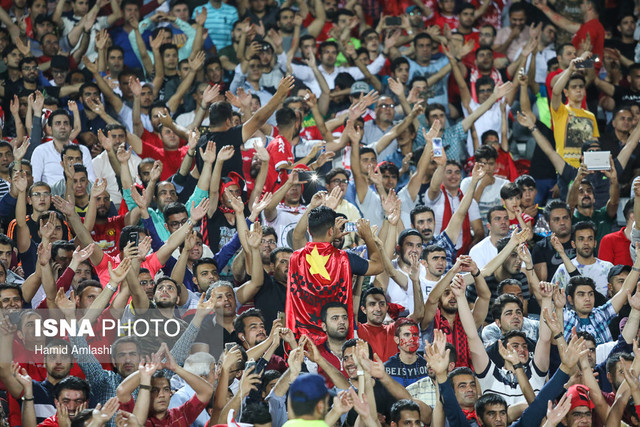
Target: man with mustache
[582, 201]
[585, 263]
[335, 323]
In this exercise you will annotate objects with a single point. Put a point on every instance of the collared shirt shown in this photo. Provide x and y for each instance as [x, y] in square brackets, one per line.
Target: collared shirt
[181, 397]
[492, 333]
[424, 390]
[597, 324]
[453, 140]
[219, 22]
[373, 133]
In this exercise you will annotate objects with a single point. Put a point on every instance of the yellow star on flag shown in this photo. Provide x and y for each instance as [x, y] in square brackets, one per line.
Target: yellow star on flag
[317, 263]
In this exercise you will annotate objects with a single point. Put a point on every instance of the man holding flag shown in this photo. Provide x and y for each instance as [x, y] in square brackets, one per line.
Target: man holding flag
[320, 273]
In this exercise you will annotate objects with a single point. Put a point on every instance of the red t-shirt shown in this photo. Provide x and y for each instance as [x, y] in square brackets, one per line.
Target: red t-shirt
[280, 155]
[171, 160]
[151, 263]
[107, 235]
[380, 338]
[333, 359]
[514, 224]
[596, 32]
[182, 416]
[151, 138]
[614, 247]
[440, 20]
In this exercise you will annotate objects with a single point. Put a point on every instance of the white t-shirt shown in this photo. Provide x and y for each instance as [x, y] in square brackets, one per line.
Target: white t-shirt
[483, 252]
[185, 119]
[438, 210]
[504, 383]
[103, 169]
[284, 223]
[397, 295]
[490, 196]
[45, 163]
[371, 208]
[490, 120]
[598, 271]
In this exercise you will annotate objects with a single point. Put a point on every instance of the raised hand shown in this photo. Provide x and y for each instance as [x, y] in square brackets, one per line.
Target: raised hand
[144, 247]
[102, 414]
[201, 17]
[66, 305]
[210, 94]
[198, 212]
[333, 198]
[286, 84]
[209, 155]
[254, 236]
[118, 274]
[559, 298]
[135, 86]
[156, 171]
[98, 187]
[508, 354]
[126, 419]
[139, 199]
[260, 205]
[19, 151]
[556, 244]
[226, 153]
[555, 415]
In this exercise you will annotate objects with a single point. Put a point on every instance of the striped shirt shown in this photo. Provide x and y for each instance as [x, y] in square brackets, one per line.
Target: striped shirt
[597, 324]
[219, 23]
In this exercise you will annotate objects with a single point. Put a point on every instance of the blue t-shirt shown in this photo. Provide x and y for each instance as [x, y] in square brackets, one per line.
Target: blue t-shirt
[404, 374]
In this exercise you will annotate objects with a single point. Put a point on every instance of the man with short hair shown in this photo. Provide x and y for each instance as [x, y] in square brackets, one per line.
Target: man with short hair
[508, 314]
[249, 326]
[7, 252]
[583, 316]
[585, 263]
[203, 365]
[335, 323]
[71, 393]
[45, 158]
[407, 366]
[512, 38]
[321, 270]
[546, 259]
[374, 331]
[498, 226]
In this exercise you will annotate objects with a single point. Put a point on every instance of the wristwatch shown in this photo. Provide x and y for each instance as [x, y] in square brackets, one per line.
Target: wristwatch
[518, 366]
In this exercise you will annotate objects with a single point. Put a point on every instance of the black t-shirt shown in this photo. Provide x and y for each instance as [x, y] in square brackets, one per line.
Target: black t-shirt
[543, 252]
[624, 95]
[359, 265]
[215, 336]
[627, 50]
[270, 299]
[541, 166]
[231, 137]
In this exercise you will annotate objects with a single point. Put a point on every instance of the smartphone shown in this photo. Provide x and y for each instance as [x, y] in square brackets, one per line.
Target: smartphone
[437, 147]
[393, 21]
[282, 318]
[250, 363]
[134, 237]
[307, 176]
[587, 63]
[350, 227]
[228, 346]
[522, 71]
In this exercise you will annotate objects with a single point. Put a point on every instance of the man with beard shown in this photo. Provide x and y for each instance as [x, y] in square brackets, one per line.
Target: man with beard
[335, 323]
[250, 328]
[281, 158]
[407, 366]
[582, 201]
[58, 361]
[107, 166]
[104, 229]
[487, 248]
[585, 263]
[46, 166]
[545, 258]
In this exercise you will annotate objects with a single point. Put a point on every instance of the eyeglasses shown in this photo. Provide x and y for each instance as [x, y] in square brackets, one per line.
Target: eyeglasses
[39, 194]
[176, 224]
[383, 106]
[339, 181]
[268, 242]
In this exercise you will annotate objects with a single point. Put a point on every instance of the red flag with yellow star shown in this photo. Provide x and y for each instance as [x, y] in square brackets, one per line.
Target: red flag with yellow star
[318, 274]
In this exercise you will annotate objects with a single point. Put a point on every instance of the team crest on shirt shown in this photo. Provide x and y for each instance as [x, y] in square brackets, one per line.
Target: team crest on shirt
[111, 232]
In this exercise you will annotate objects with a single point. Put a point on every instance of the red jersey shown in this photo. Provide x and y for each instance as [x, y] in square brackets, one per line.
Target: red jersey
[440, 20]
[171, 160]
[280, 156]
[107, 235]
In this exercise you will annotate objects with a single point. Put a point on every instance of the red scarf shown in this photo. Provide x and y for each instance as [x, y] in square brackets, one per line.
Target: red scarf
[466, 224]
[470, 414]
[455, 336]
[318, 274]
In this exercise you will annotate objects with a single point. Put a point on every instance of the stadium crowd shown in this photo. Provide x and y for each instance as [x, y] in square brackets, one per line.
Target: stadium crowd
[355, 213]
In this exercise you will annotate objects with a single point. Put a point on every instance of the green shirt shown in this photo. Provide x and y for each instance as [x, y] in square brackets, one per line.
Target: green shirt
[600, 218]
[305, 423]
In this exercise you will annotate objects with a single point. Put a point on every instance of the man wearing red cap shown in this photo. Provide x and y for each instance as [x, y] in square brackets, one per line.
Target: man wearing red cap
[581, 407]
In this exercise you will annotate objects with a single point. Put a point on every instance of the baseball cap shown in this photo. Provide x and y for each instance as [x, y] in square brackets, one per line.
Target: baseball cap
[307, 388]
[412, 8]
[617, 269]
[359, 87]
[580, 396]
[590, 144]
